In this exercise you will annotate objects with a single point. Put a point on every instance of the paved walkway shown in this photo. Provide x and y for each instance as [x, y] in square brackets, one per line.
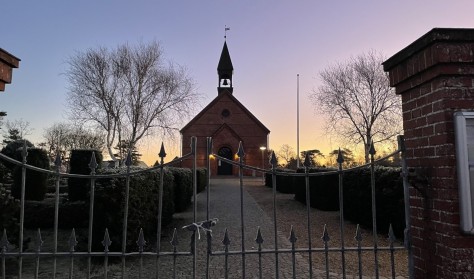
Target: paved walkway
[225, 205]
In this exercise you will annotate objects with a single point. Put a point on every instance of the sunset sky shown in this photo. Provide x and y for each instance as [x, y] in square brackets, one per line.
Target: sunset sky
[270, 42]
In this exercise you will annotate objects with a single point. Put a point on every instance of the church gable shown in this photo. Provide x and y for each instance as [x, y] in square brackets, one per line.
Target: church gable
[225, 109]
[228, 123]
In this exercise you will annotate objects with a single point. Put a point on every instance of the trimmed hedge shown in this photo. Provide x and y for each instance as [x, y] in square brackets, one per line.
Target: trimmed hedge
[390, 209]
[78, 188]
[36, 182]
[284, 182]
[388, 196]
[143, 207]
[183, 188]
[71, 214]
[9, 215]
[323, 190]
[201, 177]
[10, 150]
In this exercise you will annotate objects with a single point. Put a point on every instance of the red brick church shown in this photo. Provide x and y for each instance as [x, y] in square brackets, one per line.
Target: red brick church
[228, 122]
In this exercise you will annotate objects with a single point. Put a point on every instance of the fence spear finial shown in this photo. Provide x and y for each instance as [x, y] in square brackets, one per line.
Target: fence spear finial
[93, 163]
[240, 151]
[307, 161]
[273, 160]
[162, 153]
[340, 157]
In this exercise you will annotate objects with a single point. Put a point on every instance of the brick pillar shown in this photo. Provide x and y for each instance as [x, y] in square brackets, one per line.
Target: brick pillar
[7, 63]
[435, 78]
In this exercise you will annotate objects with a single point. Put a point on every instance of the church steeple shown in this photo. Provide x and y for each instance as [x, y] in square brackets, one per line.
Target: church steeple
[225, 70]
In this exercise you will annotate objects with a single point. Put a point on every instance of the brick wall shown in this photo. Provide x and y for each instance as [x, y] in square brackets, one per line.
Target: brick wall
[7, 63]
[435, 78]
[239, 126]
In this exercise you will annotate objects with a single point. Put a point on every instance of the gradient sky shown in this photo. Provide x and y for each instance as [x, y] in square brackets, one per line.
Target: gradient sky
[269, 43]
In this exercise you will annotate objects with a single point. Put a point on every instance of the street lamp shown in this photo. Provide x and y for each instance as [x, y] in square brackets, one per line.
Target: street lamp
[263, 148]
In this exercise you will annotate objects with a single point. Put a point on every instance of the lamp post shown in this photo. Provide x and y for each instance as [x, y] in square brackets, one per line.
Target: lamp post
[263, 148]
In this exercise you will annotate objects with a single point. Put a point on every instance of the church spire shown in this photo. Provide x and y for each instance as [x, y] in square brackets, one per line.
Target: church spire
[225, 71]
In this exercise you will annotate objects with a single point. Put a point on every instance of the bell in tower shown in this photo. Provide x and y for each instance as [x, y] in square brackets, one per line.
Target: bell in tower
[225, 70]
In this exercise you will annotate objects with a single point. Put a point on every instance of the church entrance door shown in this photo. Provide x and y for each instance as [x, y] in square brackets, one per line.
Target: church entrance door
[224, 168]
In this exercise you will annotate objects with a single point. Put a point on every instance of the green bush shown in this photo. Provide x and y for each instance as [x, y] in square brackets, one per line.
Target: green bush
[36, 182]
[201, 174]
[10, 150]
[324, 195]
[284, 182]
[9, 215]
[78, 188]
[183, 188]
[323, 190]
[388, 196]
[40, 214]
[143, 207]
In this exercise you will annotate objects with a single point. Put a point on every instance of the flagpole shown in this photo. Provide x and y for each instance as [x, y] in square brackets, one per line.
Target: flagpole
[297, 120]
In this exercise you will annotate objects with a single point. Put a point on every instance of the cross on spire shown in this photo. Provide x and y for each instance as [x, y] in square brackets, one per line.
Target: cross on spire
[225, 31]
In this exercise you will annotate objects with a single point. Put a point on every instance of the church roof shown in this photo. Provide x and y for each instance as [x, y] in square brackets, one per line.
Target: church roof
[225, 63]
[213, 102]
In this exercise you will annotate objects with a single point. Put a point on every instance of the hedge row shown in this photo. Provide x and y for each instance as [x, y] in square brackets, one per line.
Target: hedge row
[324, 195]
[390, 205]
[143, 202]
[284, 182]
[79, 164]
[36, 183]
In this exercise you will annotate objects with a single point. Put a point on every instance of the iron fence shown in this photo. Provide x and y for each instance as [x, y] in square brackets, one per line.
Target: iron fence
[199, 257]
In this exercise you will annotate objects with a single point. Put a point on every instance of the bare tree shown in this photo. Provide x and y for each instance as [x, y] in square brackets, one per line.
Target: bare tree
[129, 92]
[63, 137]
[357, 101]
[16, 130]
[286, 153]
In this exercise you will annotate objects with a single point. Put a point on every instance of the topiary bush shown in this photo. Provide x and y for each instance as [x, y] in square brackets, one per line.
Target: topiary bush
[183, 187]
[143, 207]
[36, 182]
[10, 150]
[78, 188]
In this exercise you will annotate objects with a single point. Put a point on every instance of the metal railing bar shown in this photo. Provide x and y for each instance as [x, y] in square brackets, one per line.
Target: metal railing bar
[56, 216]
[91, 221]
[341, 211]
[38, 250]
[308, 221]
[88, 176]
[193, 151]
[215, 253]
[162, 155]
[125, 214]
[240, 153]
[275, 228]
[208, 202]
[374, 209]
[305, 250]
[406, 195]
[22, 210]
[259, 169]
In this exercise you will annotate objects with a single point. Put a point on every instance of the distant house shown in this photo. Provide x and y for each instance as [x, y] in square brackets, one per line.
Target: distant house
[228, 122]
[7, 63]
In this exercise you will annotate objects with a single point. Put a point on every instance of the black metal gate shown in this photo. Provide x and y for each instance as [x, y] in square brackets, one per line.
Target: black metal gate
[246, 243]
